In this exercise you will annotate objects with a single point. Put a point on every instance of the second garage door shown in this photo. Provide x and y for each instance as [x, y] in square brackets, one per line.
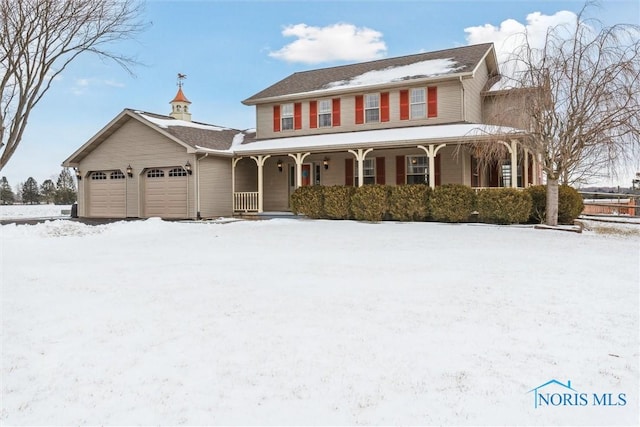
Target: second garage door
[165, 192]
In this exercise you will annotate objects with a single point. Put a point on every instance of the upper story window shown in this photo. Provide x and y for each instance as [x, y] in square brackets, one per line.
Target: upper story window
[372, 108]
[286, 116]
[418, 104]
[324, 113]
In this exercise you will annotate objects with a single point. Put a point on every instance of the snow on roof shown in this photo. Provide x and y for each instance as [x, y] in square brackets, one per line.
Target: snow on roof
[429, 68]
[374, 137]
[165, 123]
[237, 139]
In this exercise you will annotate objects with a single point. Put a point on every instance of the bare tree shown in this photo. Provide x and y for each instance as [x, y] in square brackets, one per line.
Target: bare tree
[39, 38]
[577, 96]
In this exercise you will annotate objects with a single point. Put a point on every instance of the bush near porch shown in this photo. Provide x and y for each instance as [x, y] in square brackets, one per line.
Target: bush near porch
[503, 206]
[446, 203]
[570, 204]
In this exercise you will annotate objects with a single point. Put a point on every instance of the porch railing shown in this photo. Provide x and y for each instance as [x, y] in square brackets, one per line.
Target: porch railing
[245, 201]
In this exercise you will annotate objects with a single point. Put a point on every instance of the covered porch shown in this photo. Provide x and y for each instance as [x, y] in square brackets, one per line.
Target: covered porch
[266, 173]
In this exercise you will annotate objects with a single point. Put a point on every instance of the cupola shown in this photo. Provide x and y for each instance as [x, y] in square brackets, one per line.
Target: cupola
[180, 103]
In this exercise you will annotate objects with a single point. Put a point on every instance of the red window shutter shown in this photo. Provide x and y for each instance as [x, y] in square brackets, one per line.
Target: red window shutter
[400, 179]
[437, 171]
[297, 115]
[336, 112]
[359, 109]
[348, 172]
[313, 114]
[432, 102]
[380, 174]
[384, 107]
[276, 118]
[404, 105]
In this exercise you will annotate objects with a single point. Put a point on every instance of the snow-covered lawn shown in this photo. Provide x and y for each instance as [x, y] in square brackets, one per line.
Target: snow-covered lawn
[32, 211]
[315, 322]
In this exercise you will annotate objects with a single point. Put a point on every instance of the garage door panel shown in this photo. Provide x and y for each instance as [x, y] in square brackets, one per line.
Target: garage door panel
[166, 193]
[106, 194]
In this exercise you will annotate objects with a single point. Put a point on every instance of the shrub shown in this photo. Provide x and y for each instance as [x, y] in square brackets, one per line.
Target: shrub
[409, 202]
[503, 206]
[538, 194]
[307, 200]
[370, 202]
[452, 203]
[337, 201]
[570, 204]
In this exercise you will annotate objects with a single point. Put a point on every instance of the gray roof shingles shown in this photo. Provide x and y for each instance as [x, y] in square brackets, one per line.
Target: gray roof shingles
[466, 57]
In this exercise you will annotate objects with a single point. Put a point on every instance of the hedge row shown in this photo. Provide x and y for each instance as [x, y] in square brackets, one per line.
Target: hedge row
[446, 203]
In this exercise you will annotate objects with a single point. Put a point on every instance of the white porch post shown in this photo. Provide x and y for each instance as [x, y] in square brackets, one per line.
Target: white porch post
[360, 154]
[260, 162]
[525, 173]
[514, 163]
[299, 158]
[432, 152]
[234, 162]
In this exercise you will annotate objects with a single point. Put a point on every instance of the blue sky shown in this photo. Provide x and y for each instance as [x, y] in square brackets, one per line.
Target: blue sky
[230, 50]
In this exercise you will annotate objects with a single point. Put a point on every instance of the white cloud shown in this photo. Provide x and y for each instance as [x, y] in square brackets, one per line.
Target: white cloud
[510, 34]
[337, 42]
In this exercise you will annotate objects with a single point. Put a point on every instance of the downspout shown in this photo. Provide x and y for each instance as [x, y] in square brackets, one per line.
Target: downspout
[463, 111]
[198, 184]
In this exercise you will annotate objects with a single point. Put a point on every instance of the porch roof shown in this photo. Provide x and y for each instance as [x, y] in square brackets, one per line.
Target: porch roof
[387, 138]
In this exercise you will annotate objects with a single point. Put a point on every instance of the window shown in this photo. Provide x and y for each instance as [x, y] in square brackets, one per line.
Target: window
[98, 176]
[155, 173]
[505, 175]
[417, 170]
[286, 117]
[368, 173]
[177, 172]
[324, 113]
[372, 108]
[418, 104]
[117, 175]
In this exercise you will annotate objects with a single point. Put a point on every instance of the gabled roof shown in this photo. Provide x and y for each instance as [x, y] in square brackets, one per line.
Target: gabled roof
[191, 135]
[422, 66]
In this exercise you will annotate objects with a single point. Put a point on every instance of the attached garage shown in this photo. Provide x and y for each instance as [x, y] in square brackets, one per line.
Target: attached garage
[166, 192]
[106, 194]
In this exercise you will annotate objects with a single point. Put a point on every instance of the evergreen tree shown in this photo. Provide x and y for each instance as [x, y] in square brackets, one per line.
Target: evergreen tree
[18, 192]
[66, 188]
[48, 191]
[6, 193]
[30, 192]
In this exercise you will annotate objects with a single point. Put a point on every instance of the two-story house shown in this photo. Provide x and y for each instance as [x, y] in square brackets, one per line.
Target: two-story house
[393, 121]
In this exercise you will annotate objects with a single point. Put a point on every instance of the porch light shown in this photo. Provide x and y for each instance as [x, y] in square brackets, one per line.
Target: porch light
[78, 174]
[414, 160]
[130, 171]
[279, 164]
[187, 167]
[325, 162]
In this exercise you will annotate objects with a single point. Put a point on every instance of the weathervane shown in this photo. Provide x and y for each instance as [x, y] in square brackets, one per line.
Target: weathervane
[181, 77]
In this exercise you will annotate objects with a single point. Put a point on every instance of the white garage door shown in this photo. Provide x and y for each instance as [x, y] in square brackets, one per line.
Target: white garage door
[165, 192]
[107, 191]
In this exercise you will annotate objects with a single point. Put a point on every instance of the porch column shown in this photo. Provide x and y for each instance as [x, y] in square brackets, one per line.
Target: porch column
[514, 163]
[360, 154]
[525, 172]
[234, 162]
[299, 158]
[432, 152]
[260, 162]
